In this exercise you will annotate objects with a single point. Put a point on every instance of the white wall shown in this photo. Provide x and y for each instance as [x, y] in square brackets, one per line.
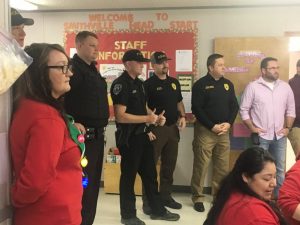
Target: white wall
[212, 23]
[4, 122]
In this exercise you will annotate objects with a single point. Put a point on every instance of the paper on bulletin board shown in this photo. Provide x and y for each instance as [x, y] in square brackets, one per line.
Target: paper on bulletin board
[73, 51]
[111, 72]
[187, 98]
[184, 60]
[186, 82]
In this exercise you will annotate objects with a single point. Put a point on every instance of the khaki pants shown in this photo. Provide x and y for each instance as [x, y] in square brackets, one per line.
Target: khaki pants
[206, 146]
[294, 137]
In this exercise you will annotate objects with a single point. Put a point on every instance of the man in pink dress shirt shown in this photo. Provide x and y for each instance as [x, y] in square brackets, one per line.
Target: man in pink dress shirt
[268, 109]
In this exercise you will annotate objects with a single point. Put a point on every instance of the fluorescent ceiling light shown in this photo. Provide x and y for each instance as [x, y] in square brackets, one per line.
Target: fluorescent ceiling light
[294, 44]
[22, 5]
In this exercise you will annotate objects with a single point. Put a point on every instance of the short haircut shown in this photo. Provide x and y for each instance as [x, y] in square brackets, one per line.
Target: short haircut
[81, 36]
[298, 63]
[211, 60]
[265, 61]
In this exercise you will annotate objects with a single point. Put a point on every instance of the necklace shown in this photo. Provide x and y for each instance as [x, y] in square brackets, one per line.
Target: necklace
[78, 138]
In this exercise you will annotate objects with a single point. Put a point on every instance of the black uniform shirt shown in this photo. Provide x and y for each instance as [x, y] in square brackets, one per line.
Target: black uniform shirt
[87, 100]
[130, 93]
[164, 95]
[214, 101]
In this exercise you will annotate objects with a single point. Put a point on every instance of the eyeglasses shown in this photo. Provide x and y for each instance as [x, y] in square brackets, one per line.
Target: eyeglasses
[64, 68]
[273, 68]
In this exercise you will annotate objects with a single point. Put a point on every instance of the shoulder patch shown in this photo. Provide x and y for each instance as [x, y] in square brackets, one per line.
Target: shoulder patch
[117, 89]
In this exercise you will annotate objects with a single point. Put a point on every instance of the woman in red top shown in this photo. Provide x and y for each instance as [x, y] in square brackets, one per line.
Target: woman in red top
[244, 197]
[47, 185]
[289, 194]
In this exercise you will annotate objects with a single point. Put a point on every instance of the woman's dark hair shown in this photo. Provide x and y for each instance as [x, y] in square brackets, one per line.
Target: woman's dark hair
[34, 83]
[249, 163]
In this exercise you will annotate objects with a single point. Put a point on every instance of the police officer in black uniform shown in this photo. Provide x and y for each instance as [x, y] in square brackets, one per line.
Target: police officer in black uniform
[132, 115]
[87, 102]
[164, 94]
[215, 106]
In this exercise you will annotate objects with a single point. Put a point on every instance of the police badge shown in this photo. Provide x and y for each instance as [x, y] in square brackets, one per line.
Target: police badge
[173, 86]
[226, 86]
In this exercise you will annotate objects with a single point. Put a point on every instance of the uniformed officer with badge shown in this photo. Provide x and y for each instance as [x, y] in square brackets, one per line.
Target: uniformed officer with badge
[87, 102]
[215, 107]
[164, 94]
[132, 139]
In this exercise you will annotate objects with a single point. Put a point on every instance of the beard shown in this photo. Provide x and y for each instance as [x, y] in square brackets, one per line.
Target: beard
[272, 77]
[165, 70]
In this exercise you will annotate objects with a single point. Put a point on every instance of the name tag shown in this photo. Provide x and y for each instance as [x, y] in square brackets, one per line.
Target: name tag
[209, 87]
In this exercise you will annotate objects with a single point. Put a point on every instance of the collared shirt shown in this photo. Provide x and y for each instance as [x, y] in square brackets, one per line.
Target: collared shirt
[267, 108]
[214, 101]
[295, 85]
[164, 95]
[87, 100]
[130, 93]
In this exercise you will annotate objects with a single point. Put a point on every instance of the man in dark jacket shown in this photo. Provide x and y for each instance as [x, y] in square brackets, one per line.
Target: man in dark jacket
[87, 102]
[215, 107]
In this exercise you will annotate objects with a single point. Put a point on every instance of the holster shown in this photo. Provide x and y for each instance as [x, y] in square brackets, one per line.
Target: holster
[91, 133]
[140, 129]
[123, 134]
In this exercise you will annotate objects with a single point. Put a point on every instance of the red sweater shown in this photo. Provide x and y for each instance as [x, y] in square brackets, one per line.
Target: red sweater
[47, 187]
[289, 193]
[243, 209]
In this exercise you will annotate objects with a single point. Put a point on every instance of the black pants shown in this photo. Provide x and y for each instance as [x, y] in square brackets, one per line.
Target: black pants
[94, 153]
[137, 157]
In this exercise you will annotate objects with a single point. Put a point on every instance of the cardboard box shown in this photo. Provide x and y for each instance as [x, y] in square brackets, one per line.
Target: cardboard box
[112, 179]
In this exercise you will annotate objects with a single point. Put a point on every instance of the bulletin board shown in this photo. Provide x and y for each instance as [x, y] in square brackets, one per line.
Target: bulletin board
[243, 57]
[242, 61]
[180, 46]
